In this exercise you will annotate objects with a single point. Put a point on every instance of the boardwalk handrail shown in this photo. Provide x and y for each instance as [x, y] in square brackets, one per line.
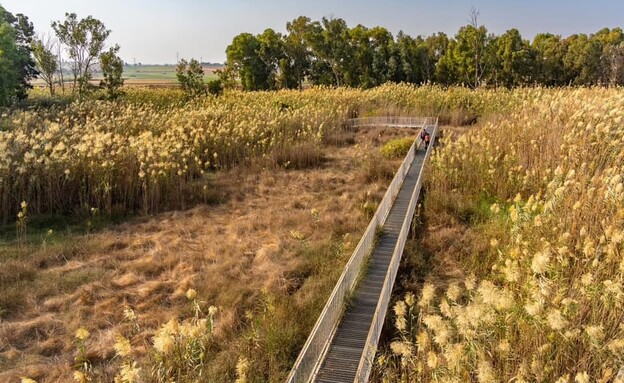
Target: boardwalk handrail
[313, 350]
[365, 366]
[398, 121]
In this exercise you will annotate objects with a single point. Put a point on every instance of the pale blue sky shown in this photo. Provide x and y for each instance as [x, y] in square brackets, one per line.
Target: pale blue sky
[153, 31]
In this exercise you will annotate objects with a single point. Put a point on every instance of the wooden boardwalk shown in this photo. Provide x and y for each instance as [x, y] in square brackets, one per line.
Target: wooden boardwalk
[341, 347]
[349, 342]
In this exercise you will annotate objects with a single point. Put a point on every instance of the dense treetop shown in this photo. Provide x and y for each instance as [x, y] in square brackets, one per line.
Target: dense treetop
[325, 52]
[16, 64]
[328, 52]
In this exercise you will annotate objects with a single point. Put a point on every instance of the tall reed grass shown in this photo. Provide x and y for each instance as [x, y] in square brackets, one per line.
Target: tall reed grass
[543, 303]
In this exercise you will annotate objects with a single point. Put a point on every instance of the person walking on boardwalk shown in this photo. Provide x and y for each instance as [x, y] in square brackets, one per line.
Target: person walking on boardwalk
[426, 138]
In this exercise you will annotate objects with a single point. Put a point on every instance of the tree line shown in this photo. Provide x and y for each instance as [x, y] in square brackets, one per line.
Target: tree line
[78, 46]
[329, 52]
[25, 55]
[325, 52]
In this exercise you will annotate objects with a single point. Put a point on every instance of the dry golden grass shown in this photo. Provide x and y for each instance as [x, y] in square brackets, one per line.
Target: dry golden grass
[524, 239]
[266, 256]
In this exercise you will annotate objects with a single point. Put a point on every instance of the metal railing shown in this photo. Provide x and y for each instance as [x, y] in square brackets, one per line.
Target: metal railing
[313, 350]
[395, 121]
[365, 366]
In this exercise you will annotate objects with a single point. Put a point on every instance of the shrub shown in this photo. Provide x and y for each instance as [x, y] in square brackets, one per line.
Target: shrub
[396, 148]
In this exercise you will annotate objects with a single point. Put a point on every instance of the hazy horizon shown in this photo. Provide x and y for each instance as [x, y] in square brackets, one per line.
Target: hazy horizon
[160, 31]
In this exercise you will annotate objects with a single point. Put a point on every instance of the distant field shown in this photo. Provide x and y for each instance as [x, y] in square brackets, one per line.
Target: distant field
[147, 75]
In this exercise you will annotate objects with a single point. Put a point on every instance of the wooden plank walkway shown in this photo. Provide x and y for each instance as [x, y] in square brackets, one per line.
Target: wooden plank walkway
[348, 344]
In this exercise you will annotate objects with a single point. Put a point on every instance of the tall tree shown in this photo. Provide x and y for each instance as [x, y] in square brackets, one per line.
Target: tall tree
[431, 51]
[384, 60]
[45, 58]
[17, 67]
[329, 41]
[465, 59]
[271, 53]
[450, 65]
[511, 59]
[297, 50]
[475, 38]
[112, 69]
[582, 60]
[548, 51]
[244, 60]
[362, 71]
[611, 42]
[85, 40]
[190, 75]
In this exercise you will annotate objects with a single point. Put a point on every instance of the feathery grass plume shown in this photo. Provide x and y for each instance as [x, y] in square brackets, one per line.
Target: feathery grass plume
[503, 346]
[422, 341]
[445, 309]
[83, 365]
[426, 295]
[410, 299]
[595, 333]
[129, 373]
[432, 360]
[242, 370]
[82, 334]
[402, 348]
[129, 314]
[122, 345]
[470, 282]
[401, 323]
[540, 262]
[616, 346]
[295, 234]
[164, 341]
[191, 294]
[454, 292]
[400, 309]
[80, 377]
[485, 372]
[454, 355]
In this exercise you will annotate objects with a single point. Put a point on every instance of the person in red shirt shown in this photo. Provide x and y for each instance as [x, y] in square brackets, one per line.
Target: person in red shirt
[427, 139]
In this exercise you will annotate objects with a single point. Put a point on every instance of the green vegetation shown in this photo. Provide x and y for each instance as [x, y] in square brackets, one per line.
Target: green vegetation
[328, 52]
[84, 40]
[112, 69]
[46, 61]
[397, 148]
[17, 67]
[190, 75]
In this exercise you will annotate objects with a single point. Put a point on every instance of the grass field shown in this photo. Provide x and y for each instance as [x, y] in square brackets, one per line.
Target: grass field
[202, 237]
[158, 74]
[520, 250]
[260, 235]
[137, 75]
[271, 240]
